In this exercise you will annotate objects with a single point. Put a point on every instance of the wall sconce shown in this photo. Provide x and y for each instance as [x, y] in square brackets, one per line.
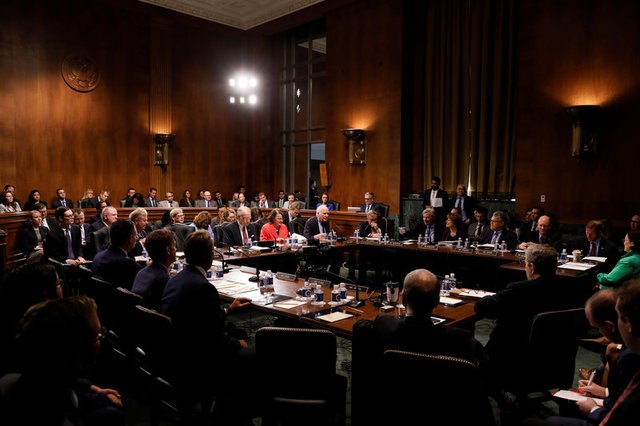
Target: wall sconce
[585, 118]
[357, 146]
[242, 89]
[161, 152]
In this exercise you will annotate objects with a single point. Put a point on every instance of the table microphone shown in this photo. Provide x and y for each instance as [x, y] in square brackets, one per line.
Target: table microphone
[356, 302]
[254, 278]
[225, 269]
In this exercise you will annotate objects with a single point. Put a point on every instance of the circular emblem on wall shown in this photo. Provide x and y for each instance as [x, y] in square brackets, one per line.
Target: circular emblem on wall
[80, 73]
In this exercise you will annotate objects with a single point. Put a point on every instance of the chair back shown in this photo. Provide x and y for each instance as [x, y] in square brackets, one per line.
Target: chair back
[289, 400]
[553, 344]
[384, 208]
[154, 340]
[336, 204]
[445, 390]
[218, 233]
[115, 306]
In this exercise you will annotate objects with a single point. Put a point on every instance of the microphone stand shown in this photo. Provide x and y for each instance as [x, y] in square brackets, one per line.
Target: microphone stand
[254, 278]
[356, 302]
[225, 269]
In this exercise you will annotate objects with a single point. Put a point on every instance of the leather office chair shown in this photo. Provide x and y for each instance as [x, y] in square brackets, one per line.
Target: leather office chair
[384, 208]
[449, 390]
[218, 233]
[336, 204]
[69, 276]
[320, 397]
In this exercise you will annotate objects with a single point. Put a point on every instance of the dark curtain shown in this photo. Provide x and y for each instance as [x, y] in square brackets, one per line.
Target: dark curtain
[464, 92]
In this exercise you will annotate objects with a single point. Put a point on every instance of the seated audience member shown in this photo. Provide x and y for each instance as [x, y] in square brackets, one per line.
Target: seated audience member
[428, 228]
[544, 234]
[282, 199]
[88, 200]
[178, 226]
[370, 204]
[241, 231]
[202, 221]
[454, 228]
[103, 197]
[57, 343]
[64, 243]
[218, 201]
[373, 227]
[324, 201]
[206, 200]
[291, 198]
[240, 202]
[514, 307]
[24, 286]
[600, 310]
[228, 216]
[294, 221]
[12, 189]
[500, 232]
[47, 222]
[234, 198]
[33, 198]
[32, 237]
[206, 341]
[627, 267]
[152, 279]
[128, 199]
[169, 201]
[464, 203]
[86, 236]
[186, 200]
[136, 200]
[530, 225]
[108, 215]
[139, 218]
[152, 198]
[115, 264]
[98, 216]
[317, 227]
[274, 229]
[219, 220]
[8, 204]
[257, 219]
[478, 229]
[61, 199]
[101, 235]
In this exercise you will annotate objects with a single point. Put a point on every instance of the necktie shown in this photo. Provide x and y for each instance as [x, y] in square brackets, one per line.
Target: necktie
[592, 249]
[368, 208]
[635, 381]
[479, 229]
[206, 203]
[494, 238]
[70, 254]
[534, 226]
[64, 203]
[542, 239]
[153, 202]
[245, 236]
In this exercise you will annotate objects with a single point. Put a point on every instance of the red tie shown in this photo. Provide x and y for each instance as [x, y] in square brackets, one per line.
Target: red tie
[245, 236]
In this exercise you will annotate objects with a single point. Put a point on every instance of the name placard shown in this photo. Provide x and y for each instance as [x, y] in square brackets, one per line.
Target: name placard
[314, 281]
[285, 277]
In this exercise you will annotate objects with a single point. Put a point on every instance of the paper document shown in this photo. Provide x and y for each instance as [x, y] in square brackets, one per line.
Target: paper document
[476, 293]
[486, 246]
[436, 202]
[450, 301]
[576, 266]
[334, 316]
[599, 259]
[574, 395]
[290, 304]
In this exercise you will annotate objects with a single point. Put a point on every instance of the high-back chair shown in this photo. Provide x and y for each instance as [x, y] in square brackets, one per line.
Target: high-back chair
[298, 377]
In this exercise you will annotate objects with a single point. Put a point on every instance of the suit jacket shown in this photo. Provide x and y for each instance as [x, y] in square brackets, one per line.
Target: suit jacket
[469, 204]
[374, 206]
[628, 412]
[201, 203]
[55, 246]
[471, 231]
[147, 202]
[97, 225]
[88, 203]
[199, 322]
[552, 239]
[57, 203]
[165, 203]
[513, 308]
[420, 229]
[312, 227]
[88, 245]
[29, 240]
[607, 248]
[268, 232]
[150, 283]
[282, 204]
[364, 229]
[441, 193]
[182, 231]
[232, 235]
[49, 221]
[508, 237]
[235, 204]
[296, 225]
[116, 266]
[270, 204]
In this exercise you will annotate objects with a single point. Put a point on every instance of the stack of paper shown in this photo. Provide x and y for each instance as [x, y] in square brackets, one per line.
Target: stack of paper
[576, 266]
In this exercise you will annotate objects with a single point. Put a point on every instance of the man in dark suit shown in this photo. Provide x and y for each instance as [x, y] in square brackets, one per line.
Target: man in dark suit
[465, 204]
[438, 199]
[178, 226]
[370, 204]
[292, 219]
[218, 201]
[263, 202]
[57, 247]
[47, 222]
[62, 200]
[480, 228]
[152, 279]
[86, 236]
[115, 264]
[199, 319]
[514, 307]
[544, 234]
[108, 215]
[594, 244]
[374, 226]
[140, 219]
[242, 231]
[316, 228]
[499, 231]
[428, 228]
[151, 200]
[531, 226]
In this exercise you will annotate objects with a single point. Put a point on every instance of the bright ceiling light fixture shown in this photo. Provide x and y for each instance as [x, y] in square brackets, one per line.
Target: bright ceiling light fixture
[243, 89]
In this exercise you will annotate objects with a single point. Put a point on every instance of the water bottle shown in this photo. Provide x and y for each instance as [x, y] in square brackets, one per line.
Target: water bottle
[269, 277]
[444, 287]
[503, 247]
[466, 243]
[563, 256]
[356, 235]
[459, 245]
[262, 280]
[496, 247]
[419, 240]
[453, 281]
[318, 296]
[335, 295]
[343, 292]
[386, 239]
[210, 273]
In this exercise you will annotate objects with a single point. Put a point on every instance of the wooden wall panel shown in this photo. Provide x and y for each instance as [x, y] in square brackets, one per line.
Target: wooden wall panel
[578, 52]
[364, 74]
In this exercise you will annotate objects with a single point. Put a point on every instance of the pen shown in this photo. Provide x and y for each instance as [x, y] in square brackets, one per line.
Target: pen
[593, 373]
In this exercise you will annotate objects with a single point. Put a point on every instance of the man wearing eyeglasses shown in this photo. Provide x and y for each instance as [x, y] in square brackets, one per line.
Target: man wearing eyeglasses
[500, 232]
[64, 242]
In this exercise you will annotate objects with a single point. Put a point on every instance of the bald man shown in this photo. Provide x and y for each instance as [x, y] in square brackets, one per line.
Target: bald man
[317, 227]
